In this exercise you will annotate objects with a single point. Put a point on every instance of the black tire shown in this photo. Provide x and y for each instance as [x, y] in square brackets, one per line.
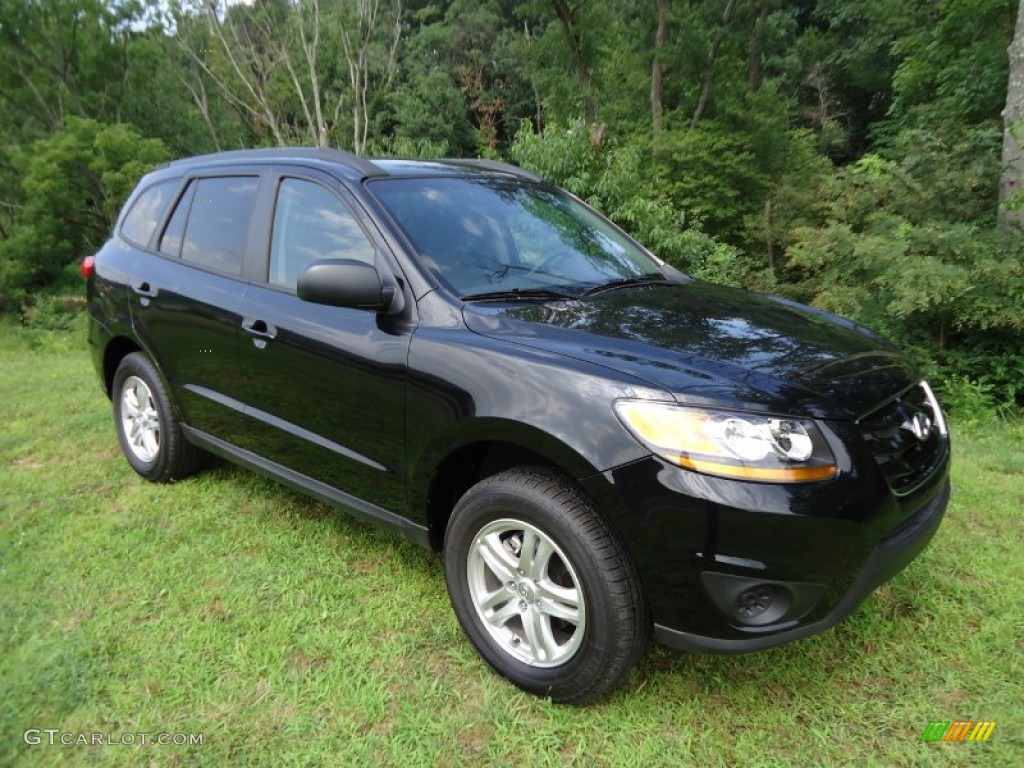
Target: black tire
[581, 652]
[147, 424]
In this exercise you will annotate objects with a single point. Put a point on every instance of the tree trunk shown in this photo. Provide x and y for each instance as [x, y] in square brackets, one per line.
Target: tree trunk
[537, 103]
[1012, 180]
[567, 18]
[657, 71]
[754, 61]
[252, 99]
[202, 102]
[709, 69]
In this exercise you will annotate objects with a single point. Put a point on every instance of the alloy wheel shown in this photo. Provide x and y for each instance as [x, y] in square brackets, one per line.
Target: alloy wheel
[140, 420]
[526, 592]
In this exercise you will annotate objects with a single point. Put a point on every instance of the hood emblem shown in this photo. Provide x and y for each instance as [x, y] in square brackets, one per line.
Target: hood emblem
[919, 424]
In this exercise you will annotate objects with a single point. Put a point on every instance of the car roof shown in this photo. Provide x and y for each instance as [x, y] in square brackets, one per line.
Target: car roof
[356, 167]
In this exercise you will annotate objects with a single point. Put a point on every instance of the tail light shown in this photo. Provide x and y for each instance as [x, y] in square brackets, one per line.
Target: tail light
[88, 266]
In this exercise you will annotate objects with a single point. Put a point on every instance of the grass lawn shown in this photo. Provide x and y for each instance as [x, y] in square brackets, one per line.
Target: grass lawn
[289, 635]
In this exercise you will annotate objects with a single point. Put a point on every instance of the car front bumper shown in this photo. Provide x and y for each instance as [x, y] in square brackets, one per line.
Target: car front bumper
[887, 559]
[730, 566]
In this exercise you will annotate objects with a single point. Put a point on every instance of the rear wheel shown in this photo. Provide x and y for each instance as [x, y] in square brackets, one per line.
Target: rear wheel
[542, 587]
[147, 426]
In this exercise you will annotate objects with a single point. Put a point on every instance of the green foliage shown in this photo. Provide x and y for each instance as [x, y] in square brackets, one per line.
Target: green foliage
[463, 72]
[892, 251]
[790, 200]
[54, 313]
[956, 60]
[73, 183]
[430, 108]
[422, 148]
[713, 174]
[844, 62]
[846, 153]
[615, 180]
[163, 93]
[61, 57]
[970, 402]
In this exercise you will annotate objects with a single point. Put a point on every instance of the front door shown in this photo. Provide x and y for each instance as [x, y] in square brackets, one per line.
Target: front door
[324, 386]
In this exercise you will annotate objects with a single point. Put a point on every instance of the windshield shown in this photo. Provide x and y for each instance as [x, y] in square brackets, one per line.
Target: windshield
[486, 236]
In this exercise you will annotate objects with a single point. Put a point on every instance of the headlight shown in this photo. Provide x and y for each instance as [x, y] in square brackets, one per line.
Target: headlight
[731, 443]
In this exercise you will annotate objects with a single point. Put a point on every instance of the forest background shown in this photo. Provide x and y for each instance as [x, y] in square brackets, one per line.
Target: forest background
[859, 156]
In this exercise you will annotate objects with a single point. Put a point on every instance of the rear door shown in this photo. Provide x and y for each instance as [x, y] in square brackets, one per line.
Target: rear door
[324, 386]
[187, 300]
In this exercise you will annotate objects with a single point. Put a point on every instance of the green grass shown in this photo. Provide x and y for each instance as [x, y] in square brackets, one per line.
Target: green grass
[289, 635]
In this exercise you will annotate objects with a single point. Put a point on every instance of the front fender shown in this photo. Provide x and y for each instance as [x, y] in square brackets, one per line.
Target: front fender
[464, 388]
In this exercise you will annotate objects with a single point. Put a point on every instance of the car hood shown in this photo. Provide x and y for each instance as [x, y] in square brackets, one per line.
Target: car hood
[711, 344]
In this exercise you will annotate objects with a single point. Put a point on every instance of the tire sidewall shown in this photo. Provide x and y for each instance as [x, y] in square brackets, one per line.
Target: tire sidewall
[482, 506]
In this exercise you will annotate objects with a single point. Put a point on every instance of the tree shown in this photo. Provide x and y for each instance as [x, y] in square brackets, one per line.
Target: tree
[370, 41]
[1011, 213]
[239, 54]
[709, 68]
[277, 63]
[60, 58]
[658, 71]
[462, 73]
[569, 18]
[73, 184]
[169, 97]
[954, 61]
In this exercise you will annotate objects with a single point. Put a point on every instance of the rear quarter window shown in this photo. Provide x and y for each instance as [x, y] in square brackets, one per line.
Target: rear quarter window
[146, 212]
[174, 232]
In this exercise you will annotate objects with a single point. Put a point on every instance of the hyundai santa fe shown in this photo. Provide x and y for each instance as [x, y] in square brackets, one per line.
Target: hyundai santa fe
[603, 448]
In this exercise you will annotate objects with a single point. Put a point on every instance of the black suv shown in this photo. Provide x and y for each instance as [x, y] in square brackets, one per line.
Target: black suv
[601, 446]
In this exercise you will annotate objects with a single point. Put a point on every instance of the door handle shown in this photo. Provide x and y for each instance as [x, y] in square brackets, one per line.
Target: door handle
[260, 328]
[143, 288]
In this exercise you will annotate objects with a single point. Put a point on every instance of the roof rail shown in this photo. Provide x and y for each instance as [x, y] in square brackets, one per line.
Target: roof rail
[494, 165]
[355, 162]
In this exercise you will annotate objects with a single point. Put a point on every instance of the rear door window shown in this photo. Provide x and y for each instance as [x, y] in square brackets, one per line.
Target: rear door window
[146, 212]
[218, 223]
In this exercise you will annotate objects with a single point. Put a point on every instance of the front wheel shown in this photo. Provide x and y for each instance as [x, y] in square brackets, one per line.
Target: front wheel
[542, 587]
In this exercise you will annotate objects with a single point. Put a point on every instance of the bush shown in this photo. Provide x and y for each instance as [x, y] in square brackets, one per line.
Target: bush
[73, 184]
[971, 402]
[53, 313]
[894, 253]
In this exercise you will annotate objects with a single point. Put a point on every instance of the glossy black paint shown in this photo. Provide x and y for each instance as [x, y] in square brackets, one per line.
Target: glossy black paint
[392, 414]
[326, 394]
[200, 320]
[345, 283]
[708, 343]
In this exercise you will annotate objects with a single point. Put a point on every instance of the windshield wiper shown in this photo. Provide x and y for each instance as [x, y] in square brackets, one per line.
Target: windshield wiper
[627, 282]
[518, 294]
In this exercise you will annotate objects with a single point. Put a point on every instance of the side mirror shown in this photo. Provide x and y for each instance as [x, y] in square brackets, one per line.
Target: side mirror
[348, 283]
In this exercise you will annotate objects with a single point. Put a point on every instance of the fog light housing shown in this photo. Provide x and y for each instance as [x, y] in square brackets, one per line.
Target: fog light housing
[752, 602]
[763, 604]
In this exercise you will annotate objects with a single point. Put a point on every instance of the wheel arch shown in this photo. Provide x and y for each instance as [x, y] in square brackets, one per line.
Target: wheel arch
[464, 463]
[117, 349]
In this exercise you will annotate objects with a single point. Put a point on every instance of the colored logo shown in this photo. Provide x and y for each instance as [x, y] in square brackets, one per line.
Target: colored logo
[959, 730]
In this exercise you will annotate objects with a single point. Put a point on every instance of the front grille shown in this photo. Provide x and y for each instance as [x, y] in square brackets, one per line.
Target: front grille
[907, 437]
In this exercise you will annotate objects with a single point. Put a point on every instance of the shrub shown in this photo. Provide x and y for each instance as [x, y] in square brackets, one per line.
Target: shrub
[893, 255]
[73, 183]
